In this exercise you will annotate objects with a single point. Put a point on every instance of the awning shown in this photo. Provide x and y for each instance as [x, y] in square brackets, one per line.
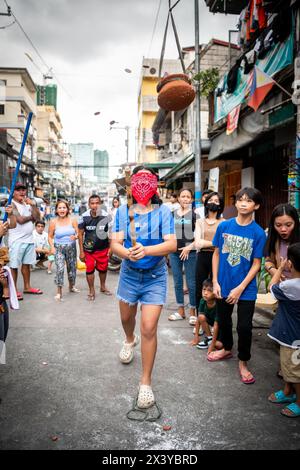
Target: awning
[249, 129]
[222, 6]
[120, 185]
[55, 175]
[159, 165]
[180, 168]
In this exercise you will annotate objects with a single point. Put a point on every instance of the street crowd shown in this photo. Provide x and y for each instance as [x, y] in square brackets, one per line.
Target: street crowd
[214, 253]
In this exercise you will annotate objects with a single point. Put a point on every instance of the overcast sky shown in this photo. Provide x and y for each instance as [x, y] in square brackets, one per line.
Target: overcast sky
[89, 44]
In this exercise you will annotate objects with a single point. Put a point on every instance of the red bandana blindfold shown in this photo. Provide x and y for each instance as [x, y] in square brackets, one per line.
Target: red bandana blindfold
[143, 186]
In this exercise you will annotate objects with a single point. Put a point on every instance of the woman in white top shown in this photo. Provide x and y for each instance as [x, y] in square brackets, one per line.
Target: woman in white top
[115, 206]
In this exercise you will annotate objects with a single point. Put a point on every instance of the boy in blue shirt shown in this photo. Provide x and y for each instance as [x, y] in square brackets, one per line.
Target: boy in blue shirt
[236, 261]
[285, 330]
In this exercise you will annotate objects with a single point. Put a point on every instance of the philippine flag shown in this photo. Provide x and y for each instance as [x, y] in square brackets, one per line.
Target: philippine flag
[260, 87]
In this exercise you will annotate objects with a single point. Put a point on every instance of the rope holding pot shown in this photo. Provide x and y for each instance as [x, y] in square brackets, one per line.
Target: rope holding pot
[175, 91]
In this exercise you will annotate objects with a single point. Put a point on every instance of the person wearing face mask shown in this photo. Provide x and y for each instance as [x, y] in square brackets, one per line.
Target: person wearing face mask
[142, 236]
[204, 234]
[284, 229]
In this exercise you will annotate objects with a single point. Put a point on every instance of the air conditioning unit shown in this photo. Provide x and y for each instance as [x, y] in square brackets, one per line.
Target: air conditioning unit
[173, 147]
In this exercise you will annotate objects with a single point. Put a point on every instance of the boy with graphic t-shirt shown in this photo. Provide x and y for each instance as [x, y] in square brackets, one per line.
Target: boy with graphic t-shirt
[239, 245]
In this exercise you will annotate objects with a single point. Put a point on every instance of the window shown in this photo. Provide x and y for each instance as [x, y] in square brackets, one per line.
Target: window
[2, 109]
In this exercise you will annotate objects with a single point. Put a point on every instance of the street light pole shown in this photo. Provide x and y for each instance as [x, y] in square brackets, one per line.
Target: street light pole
[197, 141]
[127, 144]
[126, 128]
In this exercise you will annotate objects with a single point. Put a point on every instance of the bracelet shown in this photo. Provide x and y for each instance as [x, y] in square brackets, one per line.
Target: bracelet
[269, 268]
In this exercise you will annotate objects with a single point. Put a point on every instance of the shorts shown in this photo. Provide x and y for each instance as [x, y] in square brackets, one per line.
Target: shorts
[290, 364]
[147, 286]
[210, 318]
[98, 260]
[41, 257]
[21, 253]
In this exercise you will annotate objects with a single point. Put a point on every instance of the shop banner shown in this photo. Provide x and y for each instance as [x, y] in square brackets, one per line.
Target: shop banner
[233, 120]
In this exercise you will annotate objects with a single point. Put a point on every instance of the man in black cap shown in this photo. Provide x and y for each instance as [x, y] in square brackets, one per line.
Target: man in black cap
[20, 239]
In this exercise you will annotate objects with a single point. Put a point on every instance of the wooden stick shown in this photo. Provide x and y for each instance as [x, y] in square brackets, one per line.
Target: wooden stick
[130, 207]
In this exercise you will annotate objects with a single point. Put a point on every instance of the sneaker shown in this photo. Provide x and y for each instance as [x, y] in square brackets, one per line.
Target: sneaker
[49, 271]
[205, 343]
[200, 331]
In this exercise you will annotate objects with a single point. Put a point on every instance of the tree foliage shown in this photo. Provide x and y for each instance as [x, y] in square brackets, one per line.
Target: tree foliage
[208, 80]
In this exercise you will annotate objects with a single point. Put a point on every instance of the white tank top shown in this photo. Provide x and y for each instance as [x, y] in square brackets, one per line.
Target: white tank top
[22, 233]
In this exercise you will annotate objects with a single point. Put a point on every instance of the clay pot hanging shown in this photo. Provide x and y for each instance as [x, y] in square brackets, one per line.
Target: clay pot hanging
[175, 92]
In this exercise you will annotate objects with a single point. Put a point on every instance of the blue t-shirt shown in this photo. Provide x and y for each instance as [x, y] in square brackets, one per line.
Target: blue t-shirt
[238, 246]
[150, 229]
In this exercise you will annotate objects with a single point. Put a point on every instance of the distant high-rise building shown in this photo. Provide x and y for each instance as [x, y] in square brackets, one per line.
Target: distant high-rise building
[101, 162]
[47, 95]
[83, 158]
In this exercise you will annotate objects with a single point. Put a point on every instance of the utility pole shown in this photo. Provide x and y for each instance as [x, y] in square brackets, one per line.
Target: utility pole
[126, 128]
[127, 144]
[197, 142]
[172, 134]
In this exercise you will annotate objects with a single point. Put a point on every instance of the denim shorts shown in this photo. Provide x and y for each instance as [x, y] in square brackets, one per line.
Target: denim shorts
[147, 286]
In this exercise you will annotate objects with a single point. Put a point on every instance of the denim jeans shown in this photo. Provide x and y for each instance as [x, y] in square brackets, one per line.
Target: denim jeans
[190, 274]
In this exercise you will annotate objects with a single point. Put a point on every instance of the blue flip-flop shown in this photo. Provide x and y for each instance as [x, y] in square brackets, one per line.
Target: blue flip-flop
[280, 397]
[294, 408]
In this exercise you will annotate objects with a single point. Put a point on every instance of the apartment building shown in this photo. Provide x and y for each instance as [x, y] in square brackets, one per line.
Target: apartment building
[148, 107]
[17, 100]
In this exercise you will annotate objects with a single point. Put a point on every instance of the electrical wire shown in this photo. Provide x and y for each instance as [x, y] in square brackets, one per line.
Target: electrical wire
[38, 53]
[7, 26]
[29, 40]
[154, 28]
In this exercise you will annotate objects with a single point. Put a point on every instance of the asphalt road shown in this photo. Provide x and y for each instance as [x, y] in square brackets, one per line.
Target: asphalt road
[63, 386]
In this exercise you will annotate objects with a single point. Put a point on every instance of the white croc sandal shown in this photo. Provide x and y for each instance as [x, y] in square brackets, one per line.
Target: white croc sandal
[192, 320]
[175, 317]
[126, 353]
[145, 397]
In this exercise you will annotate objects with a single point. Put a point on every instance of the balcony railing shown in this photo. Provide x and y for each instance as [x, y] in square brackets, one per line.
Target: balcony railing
[149, 103]
[20, 94]
[55, 123]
